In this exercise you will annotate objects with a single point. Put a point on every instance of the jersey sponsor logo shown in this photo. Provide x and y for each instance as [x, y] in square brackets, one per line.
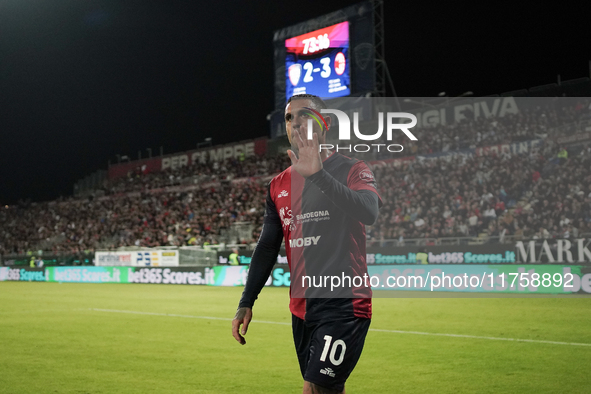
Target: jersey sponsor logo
[306, 241]
[283, 193]
[327, 371]
[314, 214]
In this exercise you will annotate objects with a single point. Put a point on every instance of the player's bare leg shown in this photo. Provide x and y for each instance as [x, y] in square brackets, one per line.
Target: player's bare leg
[311, 388]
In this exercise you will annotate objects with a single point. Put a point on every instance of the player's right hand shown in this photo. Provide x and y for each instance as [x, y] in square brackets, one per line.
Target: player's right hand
[308, 161]
[243, 317]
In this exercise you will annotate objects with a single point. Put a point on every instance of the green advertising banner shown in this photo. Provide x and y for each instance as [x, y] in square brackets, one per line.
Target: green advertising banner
[87, 274]
[499, 278]
[229, 276]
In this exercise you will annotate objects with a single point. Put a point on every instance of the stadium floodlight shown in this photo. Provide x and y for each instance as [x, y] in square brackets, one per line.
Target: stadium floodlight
[455, 98]
[421, 103]
[465, 94]
[206, 142]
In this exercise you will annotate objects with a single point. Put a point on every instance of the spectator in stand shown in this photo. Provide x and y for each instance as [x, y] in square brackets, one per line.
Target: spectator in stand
[562, 155]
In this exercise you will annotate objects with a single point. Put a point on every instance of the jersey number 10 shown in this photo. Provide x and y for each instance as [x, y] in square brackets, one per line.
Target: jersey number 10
[333, 350]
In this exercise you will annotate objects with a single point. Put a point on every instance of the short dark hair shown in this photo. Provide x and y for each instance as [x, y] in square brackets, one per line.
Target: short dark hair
[317, 101]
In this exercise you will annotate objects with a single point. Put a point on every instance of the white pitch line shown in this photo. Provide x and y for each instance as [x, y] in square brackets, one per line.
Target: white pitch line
[371, 329]
[185, 316]
[479, 337]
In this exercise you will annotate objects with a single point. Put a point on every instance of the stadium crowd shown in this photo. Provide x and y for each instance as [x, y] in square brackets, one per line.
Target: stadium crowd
[544, 194]
[528, 196]
[474, 132]
[138, 210]
[197, 173]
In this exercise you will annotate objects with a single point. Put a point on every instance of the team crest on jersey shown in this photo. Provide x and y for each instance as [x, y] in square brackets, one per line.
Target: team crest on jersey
[286, 218]
[283, 193]
[367, 177]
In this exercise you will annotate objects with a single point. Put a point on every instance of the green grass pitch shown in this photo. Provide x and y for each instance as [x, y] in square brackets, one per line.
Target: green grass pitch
[58, 338]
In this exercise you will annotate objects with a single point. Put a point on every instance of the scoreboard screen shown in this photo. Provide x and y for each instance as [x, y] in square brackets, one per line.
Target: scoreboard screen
[318, 63]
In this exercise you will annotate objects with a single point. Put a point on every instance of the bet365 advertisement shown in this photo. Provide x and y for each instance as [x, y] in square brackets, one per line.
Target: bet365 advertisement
[500, 278]
[210, 276]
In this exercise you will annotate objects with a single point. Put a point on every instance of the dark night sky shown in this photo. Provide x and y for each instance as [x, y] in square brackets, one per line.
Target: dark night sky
[82, 81]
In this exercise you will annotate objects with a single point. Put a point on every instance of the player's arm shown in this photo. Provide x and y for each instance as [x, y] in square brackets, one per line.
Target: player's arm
[362, 205]
[264, 258]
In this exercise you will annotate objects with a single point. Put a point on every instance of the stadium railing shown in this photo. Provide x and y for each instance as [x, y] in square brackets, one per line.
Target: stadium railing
[197, 256]
[49, 258]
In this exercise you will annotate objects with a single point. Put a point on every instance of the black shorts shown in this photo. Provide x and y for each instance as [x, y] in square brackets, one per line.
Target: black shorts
[329, 350]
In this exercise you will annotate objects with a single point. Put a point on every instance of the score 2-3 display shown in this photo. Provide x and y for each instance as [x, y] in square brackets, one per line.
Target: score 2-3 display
[318, 63]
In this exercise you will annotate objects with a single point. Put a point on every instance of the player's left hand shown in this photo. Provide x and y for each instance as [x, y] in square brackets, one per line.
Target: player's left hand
[309, 161]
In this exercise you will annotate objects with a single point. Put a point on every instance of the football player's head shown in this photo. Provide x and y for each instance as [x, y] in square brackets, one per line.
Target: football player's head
[301, 108]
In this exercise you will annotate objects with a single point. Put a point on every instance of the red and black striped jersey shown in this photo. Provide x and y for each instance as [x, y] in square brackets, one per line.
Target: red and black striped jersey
[323, 237]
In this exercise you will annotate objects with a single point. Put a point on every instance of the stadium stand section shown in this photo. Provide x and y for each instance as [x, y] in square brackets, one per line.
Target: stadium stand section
[507, 195]
[492, 194]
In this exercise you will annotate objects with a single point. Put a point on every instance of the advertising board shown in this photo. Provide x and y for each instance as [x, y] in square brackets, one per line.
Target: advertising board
[3, 273]
[140, 258]
[554, 251]
[444, 254]
[24, 274]
[512, 279]
[183, 159]
[86, 274]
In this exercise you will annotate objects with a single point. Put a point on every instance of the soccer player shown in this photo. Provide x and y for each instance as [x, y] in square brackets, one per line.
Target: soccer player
[321, 205]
